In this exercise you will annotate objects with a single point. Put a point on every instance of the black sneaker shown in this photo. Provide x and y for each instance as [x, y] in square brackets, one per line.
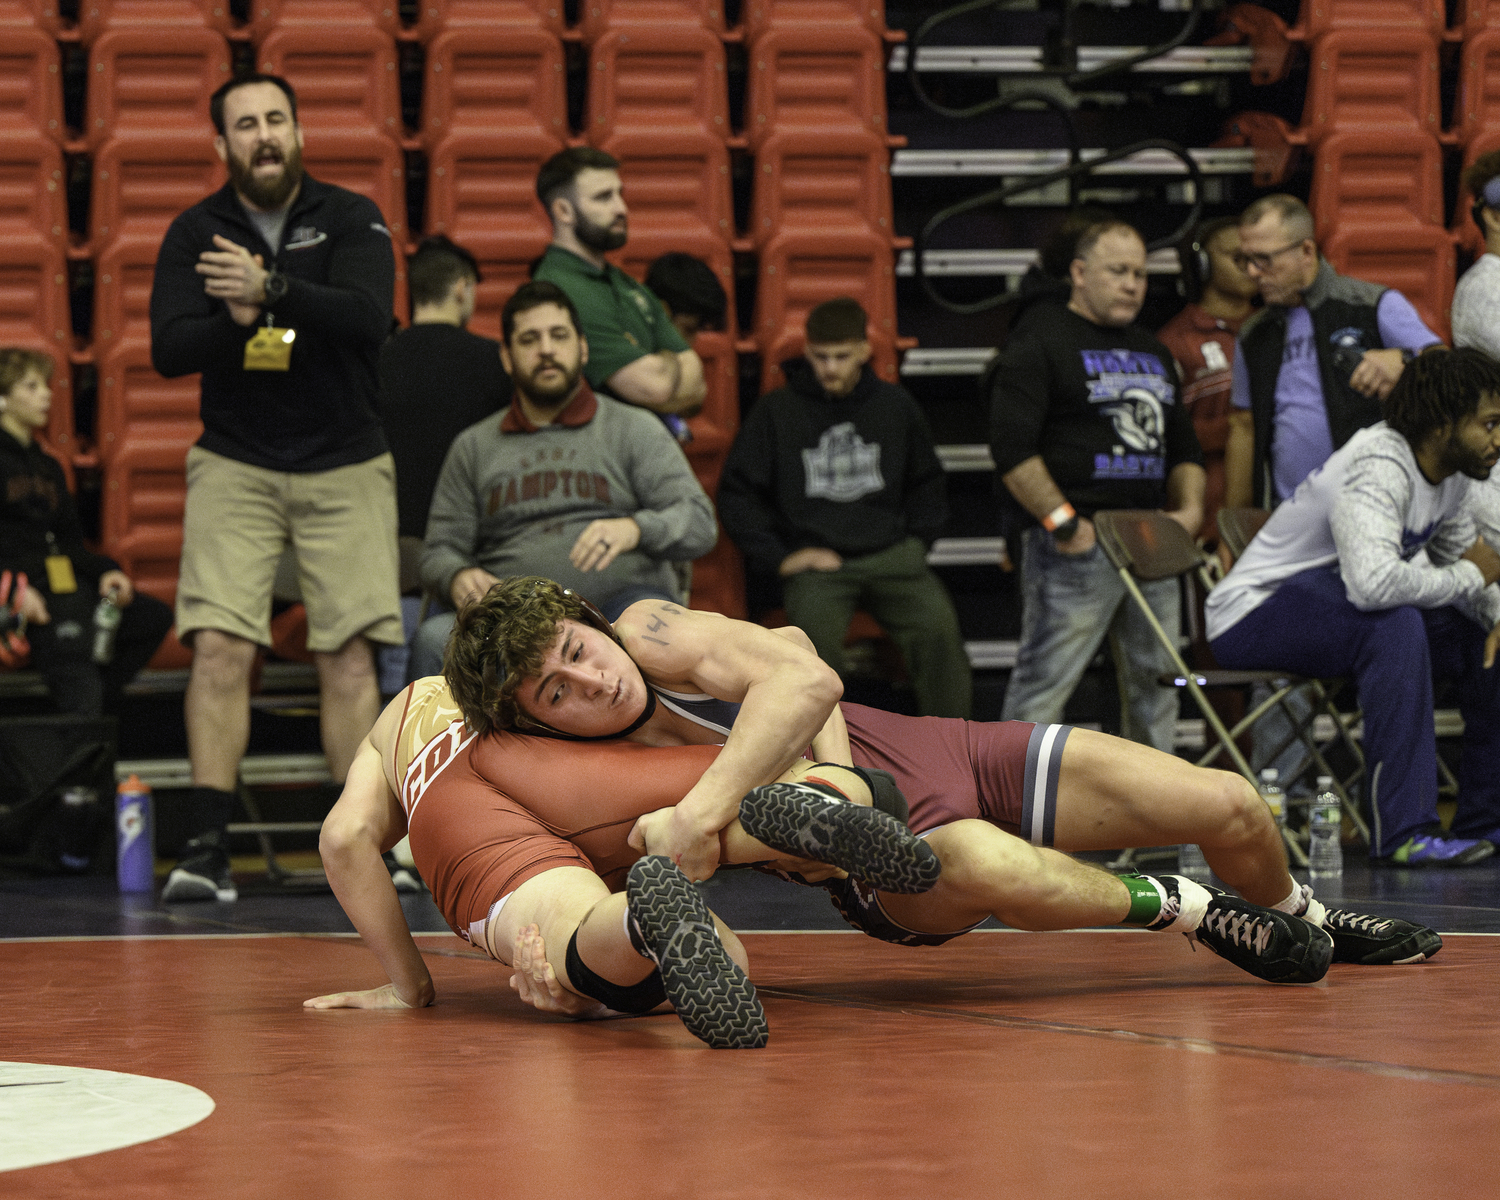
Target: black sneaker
[202, 873]
[1270, 945]
[1359, 938]
[805, 822]
[406, 879]
[712, 996]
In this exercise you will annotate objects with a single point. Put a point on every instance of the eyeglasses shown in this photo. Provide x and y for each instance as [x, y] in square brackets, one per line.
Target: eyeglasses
[1262, 262]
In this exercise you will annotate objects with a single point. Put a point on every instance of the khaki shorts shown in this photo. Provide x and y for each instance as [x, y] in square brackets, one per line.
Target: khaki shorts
[340, 524]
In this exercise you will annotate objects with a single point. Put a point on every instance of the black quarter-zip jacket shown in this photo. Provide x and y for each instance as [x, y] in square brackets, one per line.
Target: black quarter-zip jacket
[336, 255]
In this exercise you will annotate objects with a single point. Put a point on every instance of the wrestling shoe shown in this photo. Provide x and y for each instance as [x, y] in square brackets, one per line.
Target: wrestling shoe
[1360, 938]
[1435, 850]
[202, 873]
[804, 821]
[406, 879]
[712, 996]
[1268, 944]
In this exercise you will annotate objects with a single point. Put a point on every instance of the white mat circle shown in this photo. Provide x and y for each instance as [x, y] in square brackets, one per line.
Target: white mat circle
[51, 1114]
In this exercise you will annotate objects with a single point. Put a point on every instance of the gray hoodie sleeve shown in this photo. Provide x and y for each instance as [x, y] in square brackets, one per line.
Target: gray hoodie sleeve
[676, 517]
[453, 520]
[1367, 520]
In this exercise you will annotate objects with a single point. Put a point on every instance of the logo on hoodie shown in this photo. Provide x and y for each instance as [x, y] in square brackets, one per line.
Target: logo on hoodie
[843, 466]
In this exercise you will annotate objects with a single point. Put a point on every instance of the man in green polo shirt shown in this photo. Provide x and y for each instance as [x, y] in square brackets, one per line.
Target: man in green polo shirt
[635, 352]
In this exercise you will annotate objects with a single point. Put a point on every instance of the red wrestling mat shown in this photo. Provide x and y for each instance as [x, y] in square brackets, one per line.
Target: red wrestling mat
[1001, 1065]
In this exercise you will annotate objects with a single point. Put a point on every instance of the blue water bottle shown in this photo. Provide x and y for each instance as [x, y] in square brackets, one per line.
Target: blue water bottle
[135, 865]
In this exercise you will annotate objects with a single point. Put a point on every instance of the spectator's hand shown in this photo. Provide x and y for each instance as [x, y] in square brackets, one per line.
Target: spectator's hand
[25, 601]
[1377, 373]
[1491, 645]
[1483, 556]
[810, 558]
[237, 277]
[536, 983]
[470, 584]
[1083, 540]
[603, 541]
[120, 583]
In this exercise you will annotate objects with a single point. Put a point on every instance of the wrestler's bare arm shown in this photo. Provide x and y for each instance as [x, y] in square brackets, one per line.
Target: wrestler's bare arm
[366, 821]
[831, 743]
[786, 695]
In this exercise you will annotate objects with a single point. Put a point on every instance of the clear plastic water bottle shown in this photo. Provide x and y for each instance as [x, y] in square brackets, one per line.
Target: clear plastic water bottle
[106, 626]
[1325, 854]
[1270, 792]
[135, 865]
[1191, 863]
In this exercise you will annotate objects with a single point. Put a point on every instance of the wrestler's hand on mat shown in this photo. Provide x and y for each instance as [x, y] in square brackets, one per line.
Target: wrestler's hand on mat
[381, 997]
[536, 983]
[671, 832]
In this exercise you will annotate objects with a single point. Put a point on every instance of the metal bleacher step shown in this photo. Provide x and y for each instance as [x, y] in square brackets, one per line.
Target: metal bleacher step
[1028, 60]
[1010, 263]
[1211, 160]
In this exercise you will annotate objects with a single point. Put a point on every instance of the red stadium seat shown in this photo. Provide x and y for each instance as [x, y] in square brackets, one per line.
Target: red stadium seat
[657, 79]
[30, 83]
[481, 192]
[122, 294]
[1377, 178]
[97, 16]
[34, 296]
[345, 75]
[1372, 80]
[1477, 108]
[760, 16]
[821, 182]
[140, 81]
[815, 77]
[715, 426]
[1322, 16]
[1416, 260]
[33, 188]
[142, 182]
[268, 15]
[29, 14]
[436, 16]
[719, 580]
[798, 271]
[494, 77]
[675, 184]
[137, 405]
[368, 163]
[598, 17]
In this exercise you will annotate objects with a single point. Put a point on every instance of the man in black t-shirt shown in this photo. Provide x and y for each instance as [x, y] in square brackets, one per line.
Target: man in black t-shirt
[1086, 416]
[436, 378]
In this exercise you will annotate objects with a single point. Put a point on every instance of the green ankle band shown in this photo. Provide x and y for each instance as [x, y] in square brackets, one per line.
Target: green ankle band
[1145, 900]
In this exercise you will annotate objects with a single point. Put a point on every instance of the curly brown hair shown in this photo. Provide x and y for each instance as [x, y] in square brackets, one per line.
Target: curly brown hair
[501, 639]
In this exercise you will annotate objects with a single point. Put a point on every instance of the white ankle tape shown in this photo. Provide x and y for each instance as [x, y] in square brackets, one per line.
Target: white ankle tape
[1193, 899]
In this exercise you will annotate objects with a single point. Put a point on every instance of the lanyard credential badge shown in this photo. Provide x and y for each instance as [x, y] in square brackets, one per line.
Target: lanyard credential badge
[271, 348]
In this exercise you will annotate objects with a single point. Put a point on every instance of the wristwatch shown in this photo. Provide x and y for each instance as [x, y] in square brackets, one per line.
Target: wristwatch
[275, 285]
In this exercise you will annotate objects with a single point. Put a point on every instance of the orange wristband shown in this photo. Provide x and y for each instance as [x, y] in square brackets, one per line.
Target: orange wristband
[1060, 515]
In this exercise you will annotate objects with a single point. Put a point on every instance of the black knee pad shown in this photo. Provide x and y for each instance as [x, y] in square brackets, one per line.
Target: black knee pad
[637, 998]
[884, 794]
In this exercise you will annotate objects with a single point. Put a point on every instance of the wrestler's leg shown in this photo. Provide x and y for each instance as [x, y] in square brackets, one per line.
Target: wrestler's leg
[737, 846]
[990, 873]
[1112, 793]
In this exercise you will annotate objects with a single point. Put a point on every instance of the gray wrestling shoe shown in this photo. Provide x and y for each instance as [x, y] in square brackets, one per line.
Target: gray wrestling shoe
[806, 821]
[712, 996]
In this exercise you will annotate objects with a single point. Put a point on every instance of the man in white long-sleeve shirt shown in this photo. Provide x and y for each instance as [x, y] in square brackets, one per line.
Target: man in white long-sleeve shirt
[1374, 569]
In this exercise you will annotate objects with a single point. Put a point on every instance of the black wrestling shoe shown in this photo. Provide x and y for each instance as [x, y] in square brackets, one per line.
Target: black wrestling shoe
[712, 996]
[803, 821]
[1360, 938]
[202, 873]
[405, 879]
[1270, 945]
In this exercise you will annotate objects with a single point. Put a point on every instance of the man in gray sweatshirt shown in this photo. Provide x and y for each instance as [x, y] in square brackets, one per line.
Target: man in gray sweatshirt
[1375, 568]
[563, 483]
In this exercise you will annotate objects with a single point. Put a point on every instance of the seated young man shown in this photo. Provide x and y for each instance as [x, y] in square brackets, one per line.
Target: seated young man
[1373, 569]
[996, 801]
[500, 873]
[41, 539]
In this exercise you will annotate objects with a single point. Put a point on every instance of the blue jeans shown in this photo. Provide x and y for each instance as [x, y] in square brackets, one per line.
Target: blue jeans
[1308, 627]
[1069, 603]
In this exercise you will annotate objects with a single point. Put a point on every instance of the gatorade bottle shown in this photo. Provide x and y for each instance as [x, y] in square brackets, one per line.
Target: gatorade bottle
[135, 864]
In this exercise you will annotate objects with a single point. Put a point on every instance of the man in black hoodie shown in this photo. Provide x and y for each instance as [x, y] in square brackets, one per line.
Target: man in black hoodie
[834, 485]
[277, 289]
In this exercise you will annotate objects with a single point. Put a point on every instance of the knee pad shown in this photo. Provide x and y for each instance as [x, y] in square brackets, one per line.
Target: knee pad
[637, 998]
[884, 794]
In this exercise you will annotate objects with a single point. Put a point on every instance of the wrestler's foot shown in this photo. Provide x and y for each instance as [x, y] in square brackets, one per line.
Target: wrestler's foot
[712, 996]
[405, 879]
[803, 821]
[1360, 938]
[202, 873]
[1270, 945]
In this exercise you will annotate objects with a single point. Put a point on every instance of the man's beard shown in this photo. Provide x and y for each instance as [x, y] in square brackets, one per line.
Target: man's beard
[554, 395]
[1468, 462]
[600, 238]
[267, 194]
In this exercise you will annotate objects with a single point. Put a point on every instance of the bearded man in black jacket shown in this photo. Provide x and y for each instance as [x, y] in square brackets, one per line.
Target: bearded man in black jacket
[834, 485]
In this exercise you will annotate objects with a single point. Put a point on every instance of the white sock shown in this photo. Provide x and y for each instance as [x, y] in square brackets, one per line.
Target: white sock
[1301, 904]
[1193, 899]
